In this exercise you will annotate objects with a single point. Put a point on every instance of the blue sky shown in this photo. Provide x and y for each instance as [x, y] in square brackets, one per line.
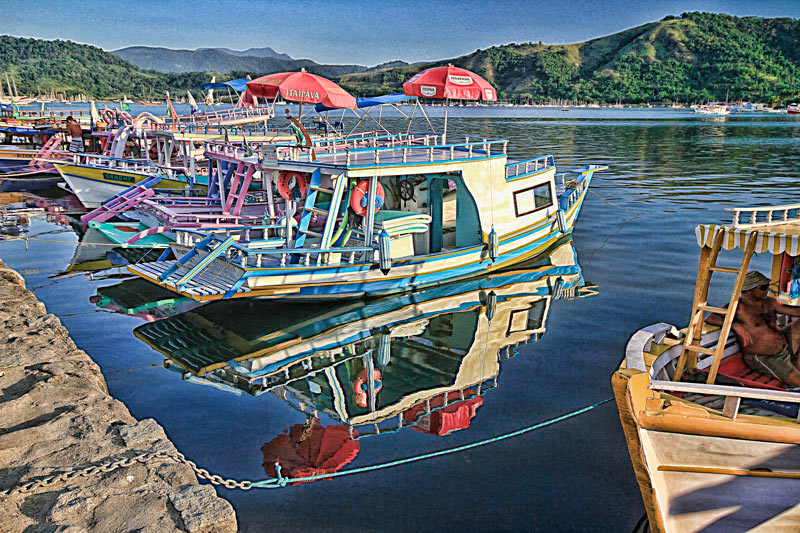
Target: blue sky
[350, 31]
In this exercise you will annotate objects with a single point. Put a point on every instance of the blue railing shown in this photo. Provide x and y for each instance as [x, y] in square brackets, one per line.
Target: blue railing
[529, 166]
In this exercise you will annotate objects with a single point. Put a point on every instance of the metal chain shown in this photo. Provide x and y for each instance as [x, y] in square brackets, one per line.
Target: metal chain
[93, 470]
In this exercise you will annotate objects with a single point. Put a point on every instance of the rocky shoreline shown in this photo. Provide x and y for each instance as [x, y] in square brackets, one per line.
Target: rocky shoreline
[56, 416]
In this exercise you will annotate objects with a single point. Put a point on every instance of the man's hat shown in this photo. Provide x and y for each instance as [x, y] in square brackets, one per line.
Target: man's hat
[754, 279]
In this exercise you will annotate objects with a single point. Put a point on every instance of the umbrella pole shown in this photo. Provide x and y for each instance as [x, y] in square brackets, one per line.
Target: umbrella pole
[444, 135]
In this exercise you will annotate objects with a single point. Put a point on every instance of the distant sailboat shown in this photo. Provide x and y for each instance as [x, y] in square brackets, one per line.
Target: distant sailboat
[210, 95]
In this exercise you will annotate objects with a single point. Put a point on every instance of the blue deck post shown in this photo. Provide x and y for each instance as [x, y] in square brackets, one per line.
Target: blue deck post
[435, 201]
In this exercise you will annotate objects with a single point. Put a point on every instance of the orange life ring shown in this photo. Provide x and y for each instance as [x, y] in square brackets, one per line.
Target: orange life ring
[358, 199]
[292, 185]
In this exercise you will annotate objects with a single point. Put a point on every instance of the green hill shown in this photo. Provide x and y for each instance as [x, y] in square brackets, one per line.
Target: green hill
[691, 58]
[696, 57]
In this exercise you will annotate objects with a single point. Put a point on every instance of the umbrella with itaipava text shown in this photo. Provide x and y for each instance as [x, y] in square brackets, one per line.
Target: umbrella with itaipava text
[303, 88]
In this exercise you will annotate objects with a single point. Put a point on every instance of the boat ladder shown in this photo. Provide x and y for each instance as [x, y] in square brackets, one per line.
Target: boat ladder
[694, 333]
[39, 161]
[311, 208]
[204, 245]
[123, 201]
[240, 183]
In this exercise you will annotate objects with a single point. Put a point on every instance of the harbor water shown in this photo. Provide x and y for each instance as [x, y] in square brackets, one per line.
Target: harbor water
[634, 241]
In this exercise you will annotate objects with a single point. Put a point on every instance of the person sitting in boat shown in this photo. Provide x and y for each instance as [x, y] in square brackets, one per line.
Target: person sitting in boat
[766, 347]
[74, 130]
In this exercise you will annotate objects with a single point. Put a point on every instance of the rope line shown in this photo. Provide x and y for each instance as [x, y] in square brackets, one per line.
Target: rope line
[281, 481]
[612, 204]
[269, 483]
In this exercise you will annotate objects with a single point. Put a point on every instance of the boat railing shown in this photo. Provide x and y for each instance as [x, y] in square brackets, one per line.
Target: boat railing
[733, 395]
[242, 251]
[118, 163]
[529, 166]
[747, 217]
[471, 149]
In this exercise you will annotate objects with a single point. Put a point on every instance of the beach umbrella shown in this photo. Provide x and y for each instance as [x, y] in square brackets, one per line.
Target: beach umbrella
[301, 87]
[310, 449]
[449, 83]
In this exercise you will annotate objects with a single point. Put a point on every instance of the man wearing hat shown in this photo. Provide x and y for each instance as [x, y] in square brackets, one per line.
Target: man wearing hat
[766, 347]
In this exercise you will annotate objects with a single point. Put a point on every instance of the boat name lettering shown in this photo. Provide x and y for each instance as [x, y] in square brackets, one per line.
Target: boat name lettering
[427, 90]
[118, 177]
[460, 80]
[310, 95]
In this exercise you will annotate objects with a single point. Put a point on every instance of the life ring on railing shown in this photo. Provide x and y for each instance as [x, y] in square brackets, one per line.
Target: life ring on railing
[292, 185]
[358, 198]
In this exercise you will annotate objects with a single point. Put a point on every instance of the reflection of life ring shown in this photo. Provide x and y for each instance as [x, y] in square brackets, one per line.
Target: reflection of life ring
[292, 185]
[361, 386]
[358, 199]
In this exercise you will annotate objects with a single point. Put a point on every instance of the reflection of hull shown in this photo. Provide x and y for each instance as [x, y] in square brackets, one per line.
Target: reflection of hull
[144, 300]
[429, 346]
[91, 253]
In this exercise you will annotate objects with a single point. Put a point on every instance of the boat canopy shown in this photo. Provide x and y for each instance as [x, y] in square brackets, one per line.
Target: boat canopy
[239, 85]
[373, 101]
[773, 239]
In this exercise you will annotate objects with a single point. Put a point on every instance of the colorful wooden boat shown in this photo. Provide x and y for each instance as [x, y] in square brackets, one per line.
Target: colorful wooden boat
[714, 444]
[452, 211]
[432, 373]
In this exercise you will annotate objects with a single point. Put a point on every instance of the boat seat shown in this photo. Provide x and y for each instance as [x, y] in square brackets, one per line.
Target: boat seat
[260, 244]
[398, 223]
[735, 368]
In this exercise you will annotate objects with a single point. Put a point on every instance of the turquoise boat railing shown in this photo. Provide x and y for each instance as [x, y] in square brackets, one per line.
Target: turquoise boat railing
[480, 149]
[519, 169]
[249, 252]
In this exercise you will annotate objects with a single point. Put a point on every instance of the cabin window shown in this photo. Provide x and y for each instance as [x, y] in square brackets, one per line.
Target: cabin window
[533, 199]
[542, 196]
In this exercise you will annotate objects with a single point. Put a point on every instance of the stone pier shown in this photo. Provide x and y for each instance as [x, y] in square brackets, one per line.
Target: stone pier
[56, 416]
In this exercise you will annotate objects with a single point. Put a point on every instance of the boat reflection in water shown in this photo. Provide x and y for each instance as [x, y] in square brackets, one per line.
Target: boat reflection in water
[421, 360]
[138, 298]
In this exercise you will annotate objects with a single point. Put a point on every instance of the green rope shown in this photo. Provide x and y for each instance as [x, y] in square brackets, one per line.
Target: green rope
[280, 481]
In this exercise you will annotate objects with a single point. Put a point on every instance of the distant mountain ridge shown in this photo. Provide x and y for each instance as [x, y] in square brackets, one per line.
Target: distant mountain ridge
[254, 52]
[224, 60]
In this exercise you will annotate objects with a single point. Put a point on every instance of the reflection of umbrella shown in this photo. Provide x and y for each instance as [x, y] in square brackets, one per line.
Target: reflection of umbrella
[449, 83]
[309, 450]
[302, 87]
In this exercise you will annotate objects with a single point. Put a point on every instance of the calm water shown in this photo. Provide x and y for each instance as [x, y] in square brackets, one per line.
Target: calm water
[634, 240]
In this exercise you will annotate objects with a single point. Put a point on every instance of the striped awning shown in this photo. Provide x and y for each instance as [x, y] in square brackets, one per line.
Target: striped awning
[767, 241]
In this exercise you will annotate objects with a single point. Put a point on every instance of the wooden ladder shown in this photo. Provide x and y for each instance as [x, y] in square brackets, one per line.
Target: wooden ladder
[694, 333]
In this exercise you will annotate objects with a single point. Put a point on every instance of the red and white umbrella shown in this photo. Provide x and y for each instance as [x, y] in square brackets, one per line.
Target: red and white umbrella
[449, 83]
[301, 87]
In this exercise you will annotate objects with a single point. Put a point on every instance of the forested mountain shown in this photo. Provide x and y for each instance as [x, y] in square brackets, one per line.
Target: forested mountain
[691, 58]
